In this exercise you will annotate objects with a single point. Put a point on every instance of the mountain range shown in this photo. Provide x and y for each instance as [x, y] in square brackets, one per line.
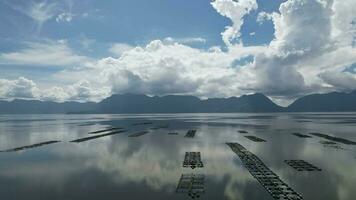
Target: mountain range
[138, 103]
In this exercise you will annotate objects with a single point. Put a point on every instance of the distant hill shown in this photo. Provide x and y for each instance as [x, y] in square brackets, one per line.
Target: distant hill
[43, 107]
[135, 103]
[131, 103]
[331, 102]
[138, 103]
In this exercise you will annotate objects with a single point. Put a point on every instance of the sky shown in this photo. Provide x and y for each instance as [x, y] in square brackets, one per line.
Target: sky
[67, 50]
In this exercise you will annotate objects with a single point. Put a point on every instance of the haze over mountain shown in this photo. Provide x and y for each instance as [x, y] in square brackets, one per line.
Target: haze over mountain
[138, 103]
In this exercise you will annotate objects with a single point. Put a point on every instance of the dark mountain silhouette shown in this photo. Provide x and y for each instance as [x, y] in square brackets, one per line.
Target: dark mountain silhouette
[131, 103]
[330, 102]
[138, 103]
[43, 107]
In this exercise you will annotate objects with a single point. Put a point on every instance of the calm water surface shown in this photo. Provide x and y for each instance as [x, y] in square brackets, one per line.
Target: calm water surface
[149, 166]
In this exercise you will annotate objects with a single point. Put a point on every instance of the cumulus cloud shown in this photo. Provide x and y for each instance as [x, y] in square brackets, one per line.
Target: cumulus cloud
[18, 88]
[235, 11]
[304, 47]
[47, 53]
[81, 91]
[165, 68]
[23, 88]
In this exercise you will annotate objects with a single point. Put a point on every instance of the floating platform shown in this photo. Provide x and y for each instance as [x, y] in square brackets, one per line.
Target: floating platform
[190, 133]
[192, 160]
[191, 184]
[242, 131]
[31, 146]
[266, 177]
[97, 136]
[254, 138]
[301, 135]
[138, 134]
[106, 130]
[301, 165]
[335, 139]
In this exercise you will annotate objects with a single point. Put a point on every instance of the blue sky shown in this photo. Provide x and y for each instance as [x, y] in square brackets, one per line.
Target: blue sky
[135, 22]
[49, 42]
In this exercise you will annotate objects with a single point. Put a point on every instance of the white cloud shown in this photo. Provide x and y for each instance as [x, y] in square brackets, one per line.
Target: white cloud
[235, 10]
[23, 88]
[303, 49]
[65, 17]
[343, 81]
[165, 68]
[18, 88]
[263, 16]
[119, 48]
[187, 40]
[344, 21]
[81, 91]
[48, 53]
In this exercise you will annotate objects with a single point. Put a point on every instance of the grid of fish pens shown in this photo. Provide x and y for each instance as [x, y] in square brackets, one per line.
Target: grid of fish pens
[191, 184]
[192, 160]
[190, 133]
[267, 178]
[301, 165]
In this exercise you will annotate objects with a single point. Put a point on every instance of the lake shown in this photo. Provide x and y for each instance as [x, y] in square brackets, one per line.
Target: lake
[142, 156]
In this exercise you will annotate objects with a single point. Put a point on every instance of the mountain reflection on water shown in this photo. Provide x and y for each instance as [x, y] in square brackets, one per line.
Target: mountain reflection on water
[150, 166]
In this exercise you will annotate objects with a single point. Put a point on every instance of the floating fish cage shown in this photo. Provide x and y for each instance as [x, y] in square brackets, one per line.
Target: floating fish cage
[190, 133]
[301, 165]
[335, 139]
[192, 160]
[106, 130]
[31, 146]
[97, 136]
[301, 135]
[191, 184]
[266, 177]
[254, 138]
[242, 131]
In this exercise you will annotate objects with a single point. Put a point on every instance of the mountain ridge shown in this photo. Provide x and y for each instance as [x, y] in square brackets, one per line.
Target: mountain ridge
[140, 103]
